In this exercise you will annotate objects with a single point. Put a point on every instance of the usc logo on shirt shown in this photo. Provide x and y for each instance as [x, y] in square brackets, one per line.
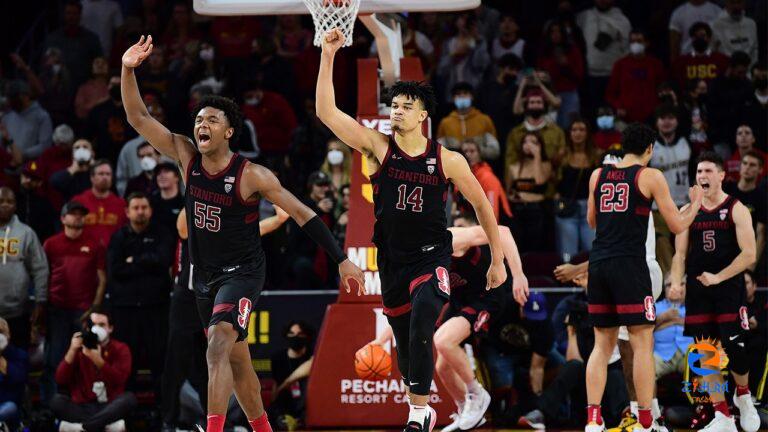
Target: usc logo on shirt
[702, 71]
[101, 217]
[10, 246]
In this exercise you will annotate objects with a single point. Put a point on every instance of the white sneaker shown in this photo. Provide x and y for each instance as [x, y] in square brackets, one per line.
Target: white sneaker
[475, 407]
[65, 426]
[720, 423]
[118, 426]
[594, 427]
[748, 417]
[454, 426]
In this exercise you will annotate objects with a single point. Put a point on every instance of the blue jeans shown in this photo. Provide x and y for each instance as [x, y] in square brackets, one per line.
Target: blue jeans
[573, 233]
[569, 105]
[9, 412]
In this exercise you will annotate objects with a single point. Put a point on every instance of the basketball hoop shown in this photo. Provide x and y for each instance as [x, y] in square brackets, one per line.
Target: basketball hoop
[330, 14]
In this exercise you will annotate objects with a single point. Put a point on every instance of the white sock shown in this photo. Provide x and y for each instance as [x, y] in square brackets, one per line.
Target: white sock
[417, 414]
[633, 408]
[655, 410]
[474, 387]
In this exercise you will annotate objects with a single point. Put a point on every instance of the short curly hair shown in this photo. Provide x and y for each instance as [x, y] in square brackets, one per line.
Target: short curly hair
[231, 111]
[636, 138]
[417, 90]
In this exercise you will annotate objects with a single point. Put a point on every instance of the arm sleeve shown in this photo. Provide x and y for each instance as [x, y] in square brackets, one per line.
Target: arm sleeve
[37, 265]
[117, 370]
[65, 370]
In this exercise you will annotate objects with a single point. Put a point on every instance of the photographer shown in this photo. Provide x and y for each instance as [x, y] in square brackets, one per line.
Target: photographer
[75, 178]
[310, 265]
[290, 368]
[14, 364]
[95, 369]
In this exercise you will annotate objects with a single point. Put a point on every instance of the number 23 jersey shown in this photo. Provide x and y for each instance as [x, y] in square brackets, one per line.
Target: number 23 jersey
[223, 228]
[622, 214]
[409, 197]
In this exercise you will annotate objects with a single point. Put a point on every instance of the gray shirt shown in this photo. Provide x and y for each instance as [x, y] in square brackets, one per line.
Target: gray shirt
[31, 130]
[22, 260]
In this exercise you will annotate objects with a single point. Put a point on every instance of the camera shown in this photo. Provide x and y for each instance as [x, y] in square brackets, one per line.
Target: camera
[90, 339]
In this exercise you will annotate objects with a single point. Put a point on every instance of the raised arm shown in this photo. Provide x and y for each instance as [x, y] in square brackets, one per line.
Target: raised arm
[745, 236]
[349, 131]
[653, 181]
[261, 180]
[175, 146]
[457, 170]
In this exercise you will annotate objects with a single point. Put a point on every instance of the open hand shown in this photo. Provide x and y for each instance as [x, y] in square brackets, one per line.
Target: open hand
[137, 53]
[332, 41]
[348, 271]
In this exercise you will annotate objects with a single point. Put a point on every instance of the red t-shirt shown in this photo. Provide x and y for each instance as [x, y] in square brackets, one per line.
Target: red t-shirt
[73, 263]
[82, 373]
[706, 67]
[105, 215]
[733, 165]
[633, 85]
[274, 120]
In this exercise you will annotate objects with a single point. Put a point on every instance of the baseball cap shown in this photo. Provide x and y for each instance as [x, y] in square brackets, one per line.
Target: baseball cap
[318, 178]
[32, 169]
[536, 307]
[72, 207]
[170, 166]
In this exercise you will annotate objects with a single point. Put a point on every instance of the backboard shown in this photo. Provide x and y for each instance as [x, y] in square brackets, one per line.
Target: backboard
[292, 7]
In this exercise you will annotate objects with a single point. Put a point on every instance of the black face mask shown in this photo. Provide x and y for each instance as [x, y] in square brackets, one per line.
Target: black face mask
[700, 45]
[761, 84]
[114, 93]
[297, 343]
[535, 113]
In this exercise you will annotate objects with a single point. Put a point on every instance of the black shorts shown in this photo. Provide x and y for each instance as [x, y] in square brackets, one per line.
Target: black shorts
[480, 311]
[717, 311]
[620, 292]
[400, 280]
[228, 295]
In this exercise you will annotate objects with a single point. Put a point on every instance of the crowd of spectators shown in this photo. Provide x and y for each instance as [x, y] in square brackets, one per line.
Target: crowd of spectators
[88, 209]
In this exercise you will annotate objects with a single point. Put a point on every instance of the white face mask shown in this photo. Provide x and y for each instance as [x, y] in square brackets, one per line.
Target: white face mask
[636, 48]
[82, 154]
[56, 68]
[100, 332]
[206, 54]
[335, 157]
[252, 101]
[148, 163]
[3, 341]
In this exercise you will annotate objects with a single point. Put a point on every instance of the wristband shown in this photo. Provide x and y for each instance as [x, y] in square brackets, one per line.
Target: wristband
[319, 232]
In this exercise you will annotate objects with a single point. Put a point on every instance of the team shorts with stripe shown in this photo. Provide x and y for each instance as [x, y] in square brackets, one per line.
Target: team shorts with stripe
[657, 283]
[620, 292]
[399, 281]
[717, 311]
[228, 295]
[480, 311]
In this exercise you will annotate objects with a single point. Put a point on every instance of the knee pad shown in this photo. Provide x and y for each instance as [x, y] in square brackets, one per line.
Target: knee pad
[737, 354]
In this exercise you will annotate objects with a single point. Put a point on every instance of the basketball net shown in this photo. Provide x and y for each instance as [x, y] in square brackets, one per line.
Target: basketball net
[330, 14]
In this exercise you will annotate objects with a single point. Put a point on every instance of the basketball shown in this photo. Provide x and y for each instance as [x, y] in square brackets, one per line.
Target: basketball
[373, 363]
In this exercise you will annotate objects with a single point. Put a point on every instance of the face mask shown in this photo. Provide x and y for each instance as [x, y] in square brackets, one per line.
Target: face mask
[148, 163]
[296, 342]
[605, 122]
[761, 83]
[56, 68]
[100, 332]
[462, 103]
[206, 54]
[636, 48]
[535, 113]
[82, 154]
[3, 341]
[699, 45]
[335, 157]
[252, 101]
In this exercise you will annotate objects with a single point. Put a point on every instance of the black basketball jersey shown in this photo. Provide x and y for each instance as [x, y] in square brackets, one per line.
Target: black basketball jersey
[409, 197]
[468, 275]
[712, 239]
[622, 214]
[223, 228]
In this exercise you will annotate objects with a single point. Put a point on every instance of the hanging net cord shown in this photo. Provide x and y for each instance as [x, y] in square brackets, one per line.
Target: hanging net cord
[329, 14]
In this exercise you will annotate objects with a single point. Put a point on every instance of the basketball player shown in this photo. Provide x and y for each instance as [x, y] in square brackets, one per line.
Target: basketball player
[410, 181]
[470, 311]
[223, 191]
[619, 287]
[714, 252]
